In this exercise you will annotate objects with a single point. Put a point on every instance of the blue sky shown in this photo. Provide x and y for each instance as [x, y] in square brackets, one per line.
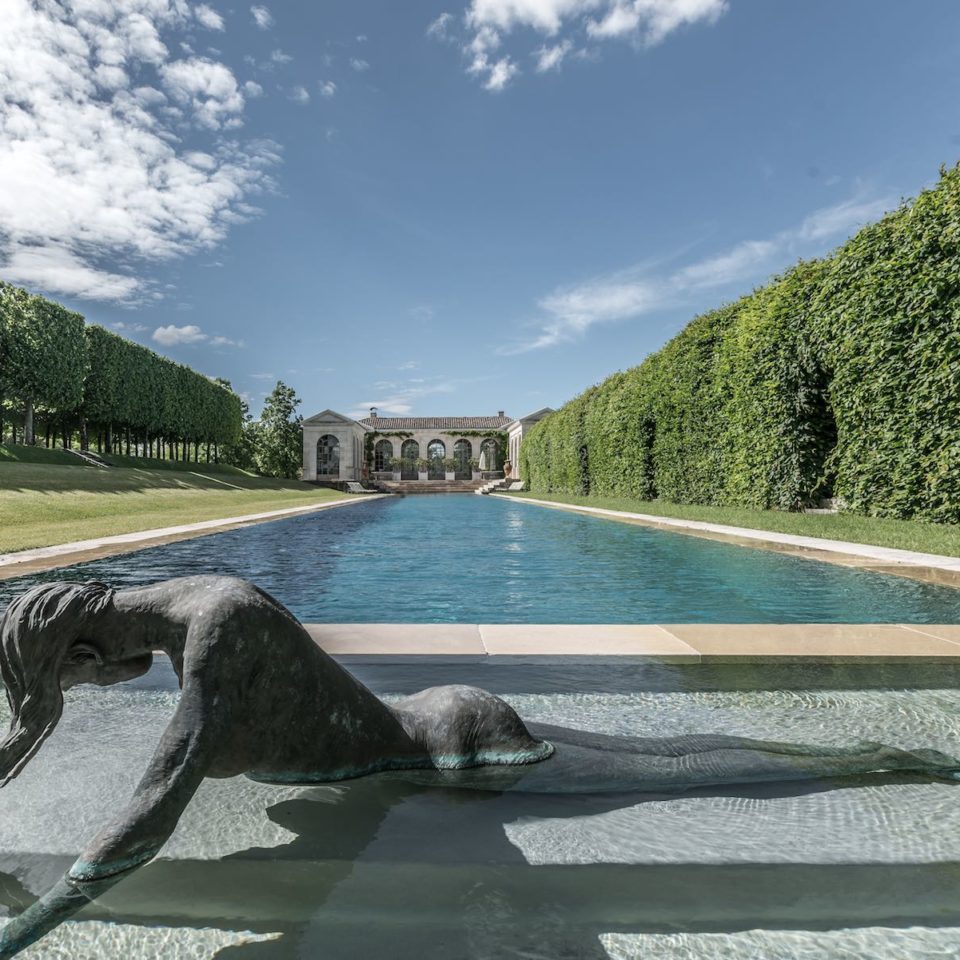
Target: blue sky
[449, 207]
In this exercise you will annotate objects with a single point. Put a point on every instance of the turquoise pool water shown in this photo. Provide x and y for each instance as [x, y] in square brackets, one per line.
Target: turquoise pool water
[470, 559]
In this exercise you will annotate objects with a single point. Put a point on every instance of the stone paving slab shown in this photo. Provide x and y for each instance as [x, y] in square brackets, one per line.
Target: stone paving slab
[436, 639]
[670, 643]
[47, 558]
[804, 641]
[634, 640]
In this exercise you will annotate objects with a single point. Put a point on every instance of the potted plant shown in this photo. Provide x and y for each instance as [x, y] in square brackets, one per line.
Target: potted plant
[475, 468]
[450, 468]
[395, 465]
[423, 466]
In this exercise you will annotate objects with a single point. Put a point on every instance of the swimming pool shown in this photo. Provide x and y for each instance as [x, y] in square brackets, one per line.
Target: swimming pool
[469, 559]
[863, 869]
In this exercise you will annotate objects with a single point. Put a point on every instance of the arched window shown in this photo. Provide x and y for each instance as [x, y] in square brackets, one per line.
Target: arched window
[328, 456]
[436, 451]
[462, 452]
[489, 454]
[382, 455]
[409, 453]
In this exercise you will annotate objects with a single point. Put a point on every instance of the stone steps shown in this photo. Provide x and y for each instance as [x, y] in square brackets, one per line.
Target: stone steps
[429, 486]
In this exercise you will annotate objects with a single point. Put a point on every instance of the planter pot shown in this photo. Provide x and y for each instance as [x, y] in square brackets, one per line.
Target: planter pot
[395, 475]
[423, 475]
[477, 475]
[450, 475]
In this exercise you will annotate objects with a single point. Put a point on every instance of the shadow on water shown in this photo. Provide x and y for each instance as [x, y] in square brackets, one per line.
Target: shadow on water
[387, 867]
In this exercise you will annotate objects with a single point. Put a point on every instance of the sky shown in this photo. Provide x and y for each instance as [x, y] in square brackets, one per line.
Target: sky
[457, 207]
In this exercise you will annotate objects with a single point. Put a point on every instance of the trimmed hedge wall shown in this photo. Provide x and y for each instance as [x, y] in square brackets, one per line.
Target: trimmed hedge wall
[839, 378]
[74, 378]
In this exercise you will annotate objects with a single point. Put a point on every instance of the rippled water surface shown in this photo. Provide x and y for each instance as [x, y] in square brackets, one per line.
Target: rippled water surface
[476, 559]
[865, 868]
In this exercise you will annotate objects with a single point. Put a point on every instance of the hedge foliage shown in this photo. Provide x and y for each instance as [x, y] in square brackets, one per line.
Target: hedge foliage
[839, 378]
[84, 377]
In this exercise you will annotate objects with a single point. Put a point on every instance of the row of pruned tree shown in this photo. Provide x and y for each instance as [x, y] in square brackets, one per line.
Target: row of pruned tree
[84, 385]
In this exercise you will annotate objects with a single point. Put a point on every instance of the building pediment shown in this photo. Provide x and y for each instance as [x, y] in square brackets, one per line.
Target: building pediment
[327, 417]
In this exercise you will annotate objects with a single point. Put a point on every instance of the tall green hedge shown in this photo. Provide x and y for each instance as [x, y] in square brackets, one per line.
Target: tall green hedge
[81, 378]
[839, 378]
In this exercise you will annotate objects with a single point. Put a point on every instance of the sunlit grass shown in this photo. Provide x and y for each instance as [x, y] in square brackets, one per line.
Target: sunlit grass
[45, 504]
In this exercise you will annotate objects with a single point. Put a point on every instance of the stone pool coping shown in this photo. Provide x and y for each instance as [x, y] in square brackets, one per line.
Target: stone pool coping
[47, 558]
[929, 567]
[665, 643]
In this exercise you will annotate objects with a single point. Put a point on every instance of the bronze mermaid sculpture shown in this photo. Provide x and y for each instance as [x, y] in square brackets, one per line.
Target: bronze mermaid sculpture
[259, 697]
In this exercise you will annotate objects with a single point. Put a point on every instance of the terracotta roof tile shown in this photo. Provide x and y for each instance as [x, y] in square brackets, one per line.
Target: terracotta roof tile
[437, 423]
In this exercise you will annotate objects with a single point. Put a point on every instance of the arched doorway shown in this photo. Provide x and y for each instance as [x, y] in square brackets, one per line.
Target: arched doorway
[382, 456]
[328, 457]
[409, 454]
[462, 452]
[489, 455]
[436, 451]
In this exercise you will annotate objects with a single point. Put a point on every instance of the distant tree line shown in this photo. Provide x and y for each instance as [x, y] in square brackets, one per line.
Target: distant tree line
[80, 384]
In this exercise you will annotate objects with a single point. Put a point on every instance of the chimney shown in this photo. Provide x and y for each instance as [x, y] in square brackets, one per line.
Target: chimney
[500, 413]
[373, 413]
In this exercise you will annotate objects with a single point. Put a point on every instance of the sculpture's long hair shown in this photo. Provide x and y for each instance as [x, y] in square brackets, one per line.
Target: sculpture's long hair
[36, 631]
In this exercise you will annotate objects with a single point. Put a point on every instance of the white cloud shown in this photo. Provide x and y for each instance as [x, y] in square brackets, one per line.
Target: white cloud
[568, 313]
[172, 336]
[327, 88]
[439, 27]
[252, 89]
[398, 399]
[278, 56]
[489, 22]
[208, 88]
[299, 95]
[129, 327]
[550, 58]
[95, 179]
[262, 17]
[208, 17]
[499, 74]
[359, 65]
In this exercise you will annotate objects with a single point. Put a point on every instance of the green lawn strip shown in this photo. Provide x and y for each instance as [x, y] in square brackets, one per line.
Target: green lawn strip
[941, 539]
[145, 463]
[19, 454]
[43, 504]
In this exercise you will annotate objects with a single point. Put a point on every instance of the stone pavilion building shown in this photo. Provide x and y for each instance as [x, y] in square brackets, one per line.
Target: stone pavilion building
[339, 448]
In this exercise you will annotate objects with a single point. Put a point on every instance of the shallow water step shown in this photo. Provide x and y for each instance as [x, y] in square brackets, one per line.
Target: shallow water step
[649, 897]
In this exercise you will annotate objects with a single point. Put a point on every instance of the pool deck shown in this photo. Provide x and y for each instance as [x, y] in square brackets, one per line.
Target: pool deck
[929, 567]
[48, 558]
[665, 643]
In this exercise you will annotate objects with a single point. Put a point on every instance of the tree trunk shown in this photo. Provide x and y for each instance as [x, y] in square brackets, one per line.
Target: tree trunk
[208, 450]
[108, 439]
[84, 435]
[216, 453]
[46, 435]
[28, 438]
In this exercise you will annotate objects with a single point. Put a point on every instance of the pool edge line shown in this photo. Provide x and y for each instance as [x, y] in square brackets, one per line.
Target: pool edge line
[39, 559]
[678, 643]
[927, 567]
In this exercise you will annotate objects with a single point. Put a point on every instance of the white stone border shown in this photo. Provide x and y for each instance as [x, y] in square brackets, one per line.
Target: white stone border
[143, 537]
[883, 555]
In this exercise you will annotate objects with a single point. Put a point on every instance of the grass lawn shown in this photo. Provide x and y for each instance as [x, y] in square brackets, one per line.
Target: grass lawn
[42, 504]
[937, 538]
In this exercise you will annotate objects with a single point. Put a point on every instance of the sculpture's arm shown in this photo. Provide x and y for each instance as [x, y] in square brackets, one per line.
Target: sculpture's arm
[178, 766]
